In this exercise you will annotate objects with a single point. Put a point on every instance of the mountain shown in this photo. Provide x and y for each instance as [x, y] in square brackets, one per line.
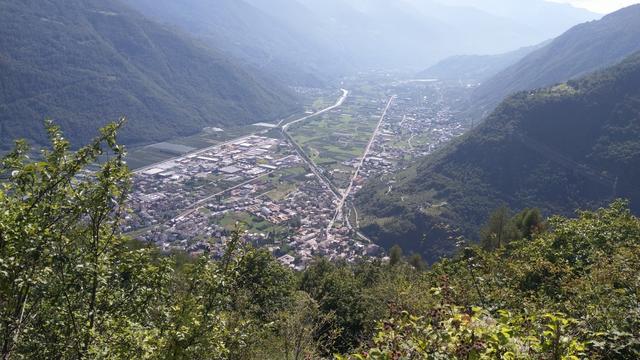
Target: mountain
[572, 145]
[86, 62]
[281, 37]
[475, 67]
[474, 29]
[582, 49]
[547, 18]
[412, 33]
[307, 41]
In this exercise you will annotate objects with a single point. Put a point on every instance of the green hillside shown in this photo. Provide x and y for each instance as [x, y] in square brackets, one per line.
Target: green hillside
[84, 63]
[584, 48]
[573, 145]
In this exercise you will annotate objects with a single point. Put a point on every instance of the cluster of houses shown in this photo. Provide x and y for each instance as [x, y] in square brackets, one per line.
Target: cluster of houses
[181, 204]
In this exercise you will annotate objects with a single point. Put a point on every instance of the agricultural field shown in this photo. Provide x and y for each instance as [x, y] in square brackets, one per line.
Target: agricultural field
[249, 223]
[336, 140]
[284, 182]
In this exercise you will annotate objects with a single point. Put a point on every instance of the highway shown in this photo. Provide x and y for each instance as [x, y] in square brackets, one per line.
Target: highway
[343, 97]
[202, 202]
[314, 168]
[345, 94]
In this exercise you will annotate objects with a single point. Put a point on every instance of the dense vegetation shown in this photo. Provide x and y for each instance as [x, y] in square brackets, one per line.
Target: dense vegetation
[585, 48]
[574, 145]
[72, 287]
[84, 62]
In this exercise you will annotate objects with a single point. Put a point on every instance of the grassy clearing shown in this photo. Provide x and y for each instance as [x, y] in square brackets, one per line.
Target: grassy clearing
[281, 191]
[248, 222]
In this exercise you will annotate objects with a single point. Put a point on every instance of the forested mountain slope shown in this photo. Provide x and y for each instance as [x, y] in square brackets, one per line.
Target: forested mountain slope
[282, 37]
[573, 145]
[581, 50]
[84, 63]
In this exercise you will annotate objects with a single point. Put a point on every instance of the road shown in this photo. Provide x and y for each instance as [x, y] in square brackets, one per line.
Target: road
[346, 194]
[200, 203]
[343, 97]
[345, 94]
[197, 152]
[312, 165]
[355, 230]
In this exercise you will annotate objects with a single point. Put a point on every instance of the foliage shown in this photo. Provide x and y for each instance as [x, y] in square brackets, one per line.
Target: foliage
[60, 248]
[451, 332]
[499, 231]
[548, 296]
[305, 330]
[395, 255]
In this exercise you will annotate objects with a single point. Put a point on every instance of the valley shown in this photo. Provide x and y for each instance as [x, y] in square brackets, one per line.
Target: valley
[319, 179]
[290, 185]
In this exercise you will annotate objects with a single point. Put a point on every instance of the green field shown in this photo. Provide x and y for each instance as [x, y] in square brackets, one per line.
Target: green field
[339, 136]
[283, 182]
[249, 222]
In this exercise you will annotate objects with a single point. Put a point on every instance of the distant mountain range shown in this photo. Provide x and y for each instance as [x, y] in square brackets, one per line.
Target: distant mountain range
[583, 49]
[277, 36]
[475, 67]
[548, 19]
[571, 145]
[302, 41]
[87, 62]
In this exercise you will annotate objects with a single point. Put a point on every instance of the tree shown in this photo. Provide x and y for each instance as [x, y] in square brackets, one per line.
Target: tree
[263, 286]
[529, 222]
[62, 278]
[395, 255]
[337, 291]
[73, 287]
[499, 230]
[416, 261]
[304, 329]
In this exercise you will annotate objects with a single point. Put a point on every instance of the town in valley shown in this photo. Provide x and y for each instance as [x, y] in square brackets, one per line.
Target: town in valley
[288, 186]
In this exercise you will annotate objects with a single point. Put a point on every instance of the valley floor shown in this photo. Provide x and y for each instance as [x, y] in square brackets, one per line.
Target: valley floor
[290, 185]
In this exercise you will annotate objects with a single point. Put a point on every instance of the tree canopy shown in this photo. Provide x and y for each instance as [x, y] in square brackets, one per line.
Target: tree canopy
[72, 286]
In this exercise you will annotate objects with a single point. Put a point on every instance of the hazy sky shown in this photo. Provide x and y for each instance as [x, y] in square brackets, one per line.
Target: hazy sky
[600, 6]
